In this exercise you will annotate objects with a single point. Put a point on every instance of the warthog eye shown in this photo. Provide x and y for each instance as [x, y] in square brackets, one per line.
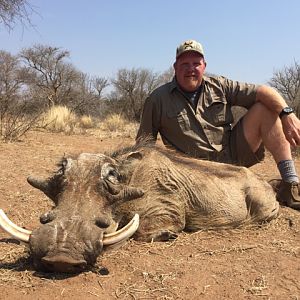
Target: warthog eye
[113, 173]
[108, 172]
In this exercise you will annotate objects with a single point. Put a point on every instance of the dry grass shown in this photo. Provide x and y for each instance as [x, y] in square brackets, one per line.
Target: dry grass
[14, 262]
[114, 122]
[116, 125]
[86, 122]
[59, 119]
[258, 286]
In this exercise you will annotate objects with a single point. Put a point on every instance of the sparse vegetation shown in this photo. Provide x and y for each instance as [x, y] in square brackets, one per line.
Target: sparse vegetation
[13, 126]
[15, 120]
[113, 122]
[86, 122]
[59, 119]
[62, 119]
[117, 125]
[43, 77]
[287, 83]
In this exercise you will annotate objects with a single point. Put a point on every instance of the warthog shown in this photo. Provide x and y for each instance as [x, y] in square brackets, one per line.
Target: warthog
[160, 192]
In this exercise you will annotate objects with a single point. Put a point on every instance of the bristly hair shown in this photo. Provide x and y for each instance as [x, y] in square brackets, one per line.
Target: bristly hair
[140, 143]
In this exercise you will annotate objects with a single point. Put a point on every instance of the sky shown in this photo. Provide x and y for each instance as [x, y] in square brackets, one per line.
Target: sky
[243, 40]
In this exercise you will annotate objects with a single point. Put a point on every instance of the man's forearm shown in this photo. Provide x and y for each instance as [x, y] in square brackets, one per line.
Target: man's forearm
[270, 98]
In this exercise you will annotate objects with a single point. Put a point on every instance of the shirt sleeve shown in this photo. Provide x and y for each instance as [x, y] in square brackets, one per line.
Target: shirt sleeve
[240, 93]
[149, 125]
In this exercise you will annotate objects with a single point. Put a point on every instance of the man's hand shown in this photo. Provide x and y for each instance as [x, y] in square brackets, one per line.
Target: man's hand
[291, 129]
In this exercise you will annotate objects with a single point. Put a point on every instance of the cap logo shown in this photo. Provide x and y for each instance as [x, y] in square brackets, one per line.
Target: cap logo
[188, 44]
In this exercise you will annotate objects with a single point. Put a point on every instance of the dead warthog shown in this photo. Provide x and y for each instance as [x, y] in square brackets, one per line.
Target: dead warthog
[157, 192]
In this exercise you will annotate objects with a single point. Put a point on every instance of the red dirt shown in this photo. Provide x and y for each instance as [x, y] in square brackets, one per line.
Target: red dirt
[261, 262]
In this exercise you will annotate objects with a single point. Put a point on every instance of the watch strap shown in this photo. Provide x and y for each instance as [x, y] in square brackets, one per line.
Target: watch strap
[286, 111]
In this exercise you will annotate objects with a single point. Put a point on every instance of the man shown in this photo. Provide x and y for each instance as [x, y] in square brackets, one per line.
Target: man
[193, 115]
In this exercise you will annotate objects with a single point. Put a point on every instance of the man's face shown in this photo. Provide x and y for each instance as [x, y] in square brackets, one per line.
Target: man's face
[189, 69]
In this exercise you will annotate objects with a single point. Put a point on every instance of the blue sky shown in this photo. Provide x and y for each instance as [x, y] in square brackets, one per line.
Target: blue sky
[243, 40]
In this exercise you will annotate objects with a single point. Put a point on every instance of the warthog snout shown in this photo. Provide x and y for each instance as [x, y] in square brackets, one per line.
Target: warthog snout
[63, 263]
[66, 245]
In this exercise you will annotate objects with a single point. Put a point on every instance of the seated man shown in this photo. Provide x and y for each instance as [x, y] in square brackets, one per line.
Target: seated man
[193, 114]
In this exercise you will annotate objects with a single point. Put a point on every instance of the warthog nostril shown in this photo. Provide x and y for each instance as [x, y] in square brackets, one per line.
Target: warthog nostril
[63, 263]
[102, 222]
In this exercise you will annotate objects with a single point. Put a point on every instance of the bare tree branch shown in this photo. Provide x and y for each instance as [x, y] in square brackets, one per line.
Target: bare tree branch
[13, 11]
[287, 82]
[131, 90]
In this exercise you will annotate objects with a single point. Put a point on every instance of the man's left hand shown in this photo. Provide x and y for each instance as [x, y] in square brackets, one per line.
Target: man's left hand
[291, 129]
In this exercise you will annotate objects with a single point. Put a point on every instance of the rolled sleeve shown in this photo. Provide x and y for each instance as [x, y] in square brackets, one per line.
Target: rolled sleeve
[240, 93]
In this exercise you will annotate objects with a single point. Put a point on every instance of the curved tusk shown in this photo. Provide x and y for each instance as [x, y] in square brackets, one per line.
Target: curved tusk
[124, 233]
[14, 230]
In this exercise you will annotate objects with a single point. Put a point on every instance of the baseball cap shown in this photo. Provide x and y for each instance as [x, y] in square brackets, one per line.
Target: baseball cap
[189, 45]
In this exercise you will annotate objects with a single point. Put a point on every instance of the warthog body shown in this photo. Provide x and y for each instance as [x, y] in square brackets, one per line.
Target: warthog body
[94, 192]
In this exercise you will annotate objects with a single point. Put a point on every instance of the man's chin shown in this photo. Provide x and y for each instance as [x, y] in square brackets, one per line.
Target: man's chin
[191, 87]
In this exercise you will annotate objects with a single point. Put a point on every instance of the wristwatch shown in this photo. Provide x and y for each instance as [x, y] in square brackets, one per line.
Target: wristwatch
[286, 111]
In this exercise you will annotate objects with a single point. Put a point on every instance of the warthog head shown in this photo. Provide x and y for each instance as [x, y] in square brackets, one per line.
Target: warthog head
[73, 233]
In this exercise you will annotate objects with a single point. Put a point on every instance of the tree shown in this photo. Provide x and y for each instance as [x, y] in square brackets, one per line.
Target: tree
[287, 82]
[11, 79]
[131, 90]
[99, 84]
[86, 95]
[12, 11]
[14, 121]
[52, 80]
[167, 75]
[49, 75]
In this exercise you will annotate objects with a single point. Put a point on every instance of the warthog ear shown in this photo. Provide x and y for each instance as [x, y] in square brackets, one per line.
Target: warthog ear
[135, 155]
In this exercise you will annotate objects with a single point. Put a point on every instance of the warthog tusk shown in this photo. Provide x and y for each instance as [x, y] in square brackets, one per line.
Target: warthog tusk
[112, 238]
[124, 233]
[14, 230]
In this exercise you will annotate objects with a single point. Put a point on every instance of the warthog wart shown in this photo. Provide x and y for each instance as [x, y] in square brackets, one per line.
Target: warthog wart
[155, 192]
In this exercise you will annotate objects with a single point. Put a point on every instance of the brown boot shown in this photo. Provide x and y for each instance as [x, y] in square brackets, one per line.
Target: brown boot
[288, 194]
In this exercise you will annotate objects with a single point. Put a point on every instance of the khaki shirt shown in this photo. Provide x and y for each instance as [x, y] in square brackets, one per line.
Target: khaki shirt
[200, 131]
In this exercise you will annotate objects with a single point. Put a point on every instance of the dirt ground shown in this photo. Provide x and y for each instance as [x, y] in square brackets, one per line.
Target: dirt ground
[261, 262]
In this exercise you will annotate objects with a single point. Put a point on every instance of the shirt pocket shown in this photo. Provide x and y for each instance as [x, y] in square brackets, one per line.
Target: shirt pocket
[179, 119]
[218, 113]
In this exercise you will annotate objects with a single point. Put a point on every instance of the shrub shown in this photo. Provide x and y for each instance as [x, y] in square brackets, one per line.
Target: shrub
[59, 119]
[113, 123]
[86, 122]
[14, 122]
